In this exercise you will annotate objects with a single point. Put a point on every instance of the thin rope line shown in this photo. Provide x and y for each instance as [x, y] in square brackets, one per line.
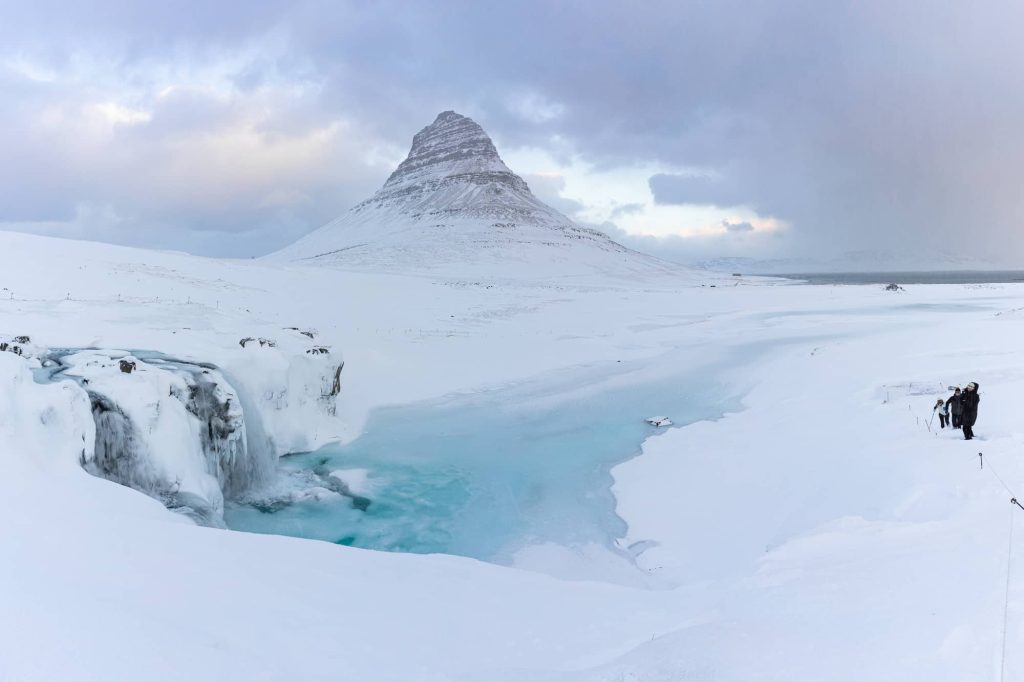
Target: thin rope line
[1009, 560]
[1006, 602]
[1000, 479]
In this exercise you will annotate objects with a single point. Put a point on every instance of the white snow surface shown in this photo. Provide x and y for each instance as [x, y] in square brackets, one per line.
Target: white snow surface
[827, 531]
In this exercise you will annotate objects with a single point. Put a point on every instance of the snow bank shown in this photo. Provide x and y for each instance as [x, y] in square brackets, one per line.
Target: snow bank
[53, 422]
[840, 534]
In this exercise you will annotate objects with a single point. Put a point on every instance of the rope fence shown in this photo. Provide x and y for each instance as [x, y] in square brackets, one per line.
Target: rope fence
[1014, 502]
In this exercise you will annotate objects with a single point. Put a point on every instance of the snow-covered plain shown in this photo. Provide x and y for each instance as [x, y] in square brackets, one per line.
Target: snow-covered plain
[826, 531]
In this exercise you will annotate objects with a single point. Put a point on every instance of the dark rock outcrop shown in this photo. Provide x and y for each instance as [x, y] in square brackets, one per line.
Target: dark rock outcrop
[336, 386]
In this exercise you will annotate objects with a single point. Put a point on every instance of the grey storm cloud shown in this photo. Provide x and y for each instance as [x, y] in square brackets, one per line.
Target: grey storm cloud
[694, 189]
[737, 227]
[862, 125]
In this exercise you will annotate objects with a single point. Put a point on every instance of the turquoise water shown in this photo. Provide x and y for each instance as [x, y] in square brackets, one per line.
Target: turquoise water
[484, 474]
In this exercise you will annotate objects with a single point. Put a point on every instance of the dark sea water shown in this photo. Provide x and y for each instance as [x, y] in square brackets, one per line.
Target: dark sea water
[938, 277]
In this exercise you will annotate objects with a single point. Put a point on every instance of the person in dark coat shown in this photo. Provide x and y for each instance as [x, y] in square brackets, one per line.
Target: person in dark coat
[969, 400]
[953, 405]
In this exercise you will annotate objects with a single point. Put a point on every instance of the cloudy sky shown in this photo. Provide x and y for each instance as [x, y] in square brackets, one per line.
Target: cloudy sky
[689, 129]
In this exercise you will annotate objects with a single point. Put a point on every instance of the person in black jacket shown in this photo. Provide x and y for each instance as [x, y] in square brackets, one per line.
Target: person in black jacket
[969, 400]
[953, 406]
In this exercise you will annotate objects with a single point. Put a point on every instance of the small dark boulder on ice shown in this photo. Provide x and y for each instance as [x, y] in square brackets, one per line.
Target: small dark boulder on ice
[127, 366]
[4, 346]
[262, 341]
[318, 350]
[893, 287]
[21, 339]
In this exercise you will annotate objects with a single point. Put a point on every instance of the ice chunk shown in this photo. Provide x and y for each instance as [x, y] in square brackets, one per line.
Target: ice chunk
[356, 480]
[659, 421]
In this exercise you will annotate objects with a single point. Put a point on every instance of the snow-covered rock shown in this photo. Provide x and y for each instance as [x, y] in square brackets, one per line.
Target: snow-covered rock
[293, 392]
[659, 421]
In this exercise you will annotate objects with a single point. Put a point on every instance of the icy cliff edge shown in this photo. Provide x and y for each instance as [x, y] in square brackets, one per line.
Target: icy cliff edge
[191, 433]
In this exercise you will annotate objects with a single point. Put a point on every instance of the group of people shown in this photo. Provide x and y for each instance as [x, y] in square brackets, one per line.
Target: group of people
[960, 410]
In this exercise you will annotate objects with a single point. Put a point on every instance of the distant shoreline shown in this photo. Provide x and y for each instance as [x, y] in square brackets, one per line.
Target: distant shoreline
[901, 277]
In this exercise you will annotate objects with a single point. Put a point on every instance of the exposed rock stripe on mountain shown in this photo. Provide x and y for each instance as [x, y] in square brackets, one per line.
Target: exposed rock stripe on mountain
[454, 202]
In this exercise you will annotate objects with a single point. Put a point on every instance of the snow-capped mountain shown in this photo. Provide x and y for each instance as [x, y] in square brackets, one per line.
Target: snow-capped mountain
[453, 203]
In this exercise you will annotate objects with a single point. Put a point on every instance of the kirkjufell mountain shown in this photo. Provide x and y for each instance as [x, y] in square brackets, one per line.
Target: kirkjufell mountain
[453, 205]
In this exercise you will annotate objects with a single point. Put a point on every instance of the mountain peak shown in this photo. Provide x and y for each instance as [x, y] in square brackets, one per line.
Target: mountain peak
[452, 203]
[449, 115]
[453, 145]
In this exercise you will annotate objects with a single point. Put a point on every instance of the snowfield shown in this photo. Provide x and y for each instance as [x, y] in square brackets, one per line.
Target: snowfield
[826, 531]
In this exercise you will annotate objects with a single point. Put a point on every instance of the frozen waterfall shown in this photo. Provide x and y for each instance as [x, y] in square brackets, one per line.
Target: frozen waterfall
[179, 430]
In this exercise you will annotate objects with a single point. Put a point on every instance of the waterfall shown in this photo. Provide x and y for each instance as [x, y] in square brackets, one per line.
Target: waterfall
[240, 463]
[116, 455]
[175, 430]
[255, 466]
